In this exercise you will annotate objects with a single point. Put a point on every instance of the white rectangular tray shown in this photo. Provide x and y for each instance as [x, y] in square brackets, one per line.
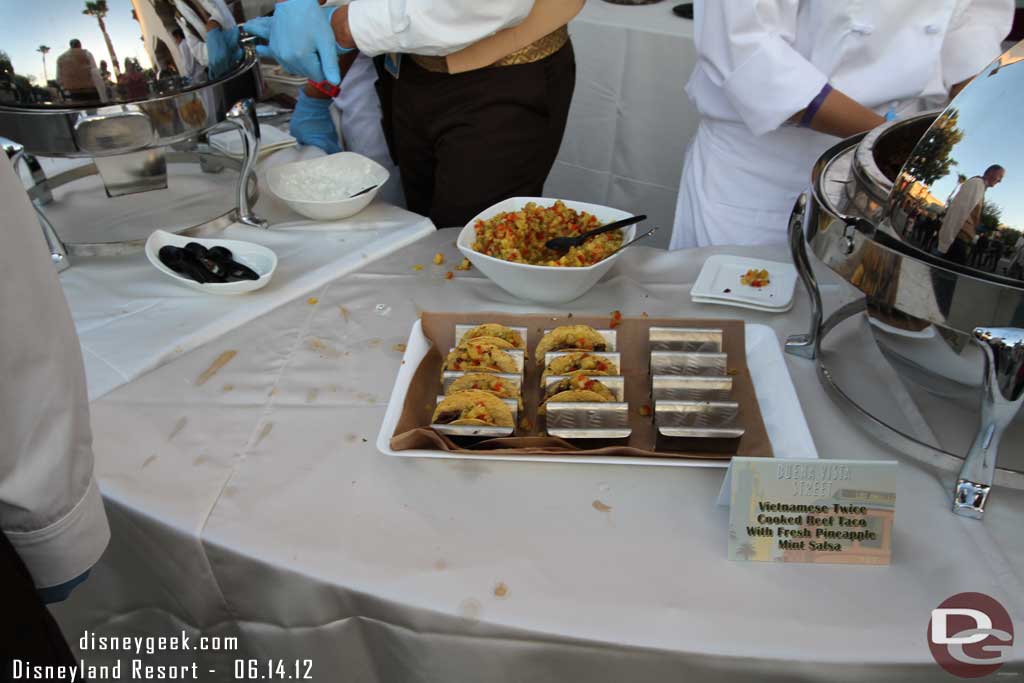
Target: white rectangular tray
[780, 408]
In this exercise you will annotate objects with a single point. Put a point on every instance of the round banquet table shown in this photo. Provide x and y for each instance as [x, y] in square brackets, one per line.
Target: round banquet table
[630, 119]
[253, 504]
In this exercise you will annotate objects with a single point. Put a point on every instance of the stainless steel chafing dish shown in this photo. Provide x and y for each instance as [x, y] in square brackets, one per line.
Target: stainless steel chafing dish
[881, 209]
[123, 89]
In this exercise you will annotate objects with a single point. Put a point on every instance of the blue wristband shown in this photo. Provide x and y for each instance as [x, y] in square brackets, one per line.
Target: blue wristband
[814, 106]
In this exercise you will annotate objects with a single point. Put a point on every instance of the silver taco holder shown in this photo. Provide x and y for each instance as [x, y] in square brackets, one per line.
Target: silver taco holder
[615, 383]
[518, 355]
[588, 420]
[689, 364]
[691, 388]
[698, 419]
[610, 339]
[685, 339]
[480, 430]
[450, 376]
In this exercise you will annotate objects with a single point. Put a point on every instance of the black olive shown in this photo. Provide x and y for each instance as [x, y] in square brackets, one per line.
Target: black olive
[236, 271]
[195, 249]
[215, 267]
[600, 347]
[219, 254]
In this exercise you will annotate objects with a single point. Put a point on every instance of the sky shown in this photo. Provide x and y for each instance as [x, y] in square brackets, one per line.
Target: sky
[27, 24]
[991, 120]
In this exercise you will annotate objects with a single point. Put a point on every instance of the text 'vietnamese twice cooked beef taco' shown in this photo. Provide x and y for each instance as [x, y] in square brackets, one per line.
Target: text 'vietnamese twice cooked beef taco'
[473, 408]
[570, 337]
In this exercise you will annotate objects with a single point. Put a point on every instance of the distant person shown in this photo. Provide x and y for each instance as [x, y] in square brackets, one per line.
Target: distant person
[79, 76]
[133, 84]
[190, 67]
[963, 215]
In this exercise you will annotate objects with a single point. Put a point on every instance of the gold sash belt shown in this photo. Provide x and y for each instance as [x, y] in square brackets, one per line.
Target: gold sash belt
[534, 52]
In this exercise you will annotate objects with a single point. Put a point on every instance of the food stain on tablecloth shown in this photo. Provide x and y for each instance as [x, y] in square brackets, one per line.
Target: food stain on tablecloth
[222, 360]
[500, 589]
[311, 395]
[178, 426]
[267, 428]
[600, 506]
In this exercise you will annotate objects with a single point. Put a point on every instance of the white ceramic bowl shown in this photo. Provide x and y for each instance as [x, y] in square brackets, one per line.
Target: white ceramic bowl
[543, 284]
[342, 164]
[255, 256]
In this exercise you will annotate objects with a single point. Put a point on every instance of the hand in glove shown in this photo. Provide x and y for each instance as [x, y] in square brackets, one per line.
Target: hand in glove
[300, 39]
[223, 50]
[312, 124]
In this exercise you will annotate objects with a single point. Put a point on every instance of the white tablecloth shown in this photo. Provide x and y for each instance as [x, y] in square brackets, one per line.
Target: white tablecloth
[131, 318]
[256, 505]
[630, 120]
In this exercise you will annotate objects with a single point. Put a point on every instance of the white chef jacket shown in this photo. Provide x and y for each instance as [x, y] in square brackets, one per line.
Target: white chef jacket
[50, 506]
[760, 61]
[967, 197]
[429, 27]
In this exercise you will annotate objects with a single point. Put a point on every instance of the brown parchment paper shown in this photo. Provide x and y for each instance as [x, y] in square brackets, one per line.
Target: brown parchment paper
[413, 431]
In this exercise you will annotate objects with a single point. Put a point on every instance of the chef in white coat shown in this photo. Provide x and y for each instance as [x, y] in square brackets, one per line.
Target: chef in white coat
[53, 527]
[777, 81]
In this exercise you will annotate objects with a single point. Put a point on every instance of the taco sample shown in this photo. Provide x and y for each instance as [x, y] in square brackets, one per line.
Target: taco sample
[473, 408]
[492, 331]
[582, 363]
[578, 383]
[492, 384]
[476, 356]
[570, 338]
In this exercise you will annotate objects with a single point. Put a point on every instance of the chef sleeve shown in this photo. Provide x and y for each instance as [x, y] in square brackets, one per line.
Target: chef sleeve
[974, 38]
[429, 27]
[50, 505]
[745, 47]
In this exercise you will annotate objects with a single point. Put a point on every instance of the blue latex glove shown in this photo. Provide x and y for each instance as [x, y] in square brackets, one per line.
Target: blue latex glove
[300, 39]
[312, 124]
[223, 50]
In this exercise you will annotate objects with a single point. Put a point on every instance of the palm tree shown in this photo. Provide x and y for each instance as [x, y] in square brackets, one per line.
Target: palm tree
[98, 9]
[43, 49]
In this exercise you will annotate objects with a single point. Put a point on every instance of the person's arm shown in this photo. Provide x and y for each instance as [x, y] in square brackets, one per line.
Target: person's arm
[746, 48]
[426, 27]
[50, 505]
[973, 40]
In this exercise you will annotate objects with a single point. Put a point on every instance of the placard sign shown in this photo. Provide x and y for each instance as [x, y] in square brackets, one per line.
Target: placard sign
[838, 511]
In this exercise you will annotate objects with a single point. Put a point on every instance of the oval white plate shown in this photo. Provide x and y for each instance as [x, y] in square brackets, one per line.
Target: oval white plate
[255, 256]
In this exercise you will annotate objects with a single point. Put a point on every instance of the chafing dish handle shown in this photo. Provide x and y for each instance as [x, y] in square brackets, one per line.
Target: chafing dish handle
[1001, 399]
[804, 345]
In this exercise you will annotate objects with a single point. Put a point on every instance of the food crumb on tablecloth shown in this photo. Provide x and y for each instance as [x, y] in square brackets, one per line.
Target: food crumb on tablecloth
[500, 590]
[449, 275]
[418, 267]
[616, 319]
[312, 301]
[645, 411]
[438, 258]
[464, 265]
[398, 347]
[601, 506]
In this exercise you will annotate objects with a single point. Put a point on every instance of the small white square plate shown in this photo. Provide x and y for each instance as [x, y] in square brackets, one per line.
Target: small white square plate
[719, 282]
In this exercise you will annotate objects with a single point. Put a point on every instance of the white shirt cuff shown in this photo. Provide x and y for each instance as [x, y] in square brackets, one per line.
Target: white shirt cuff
[69, 546]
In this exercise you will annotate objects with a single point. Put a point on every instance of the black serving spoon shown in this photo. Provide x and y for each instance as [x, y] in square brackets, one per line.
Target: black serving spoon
[566, 243]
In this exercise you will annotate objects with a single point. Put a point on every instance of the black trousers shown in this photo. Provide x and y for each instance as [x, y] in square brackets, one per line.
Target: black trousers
[465, 141]
[27, 631]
